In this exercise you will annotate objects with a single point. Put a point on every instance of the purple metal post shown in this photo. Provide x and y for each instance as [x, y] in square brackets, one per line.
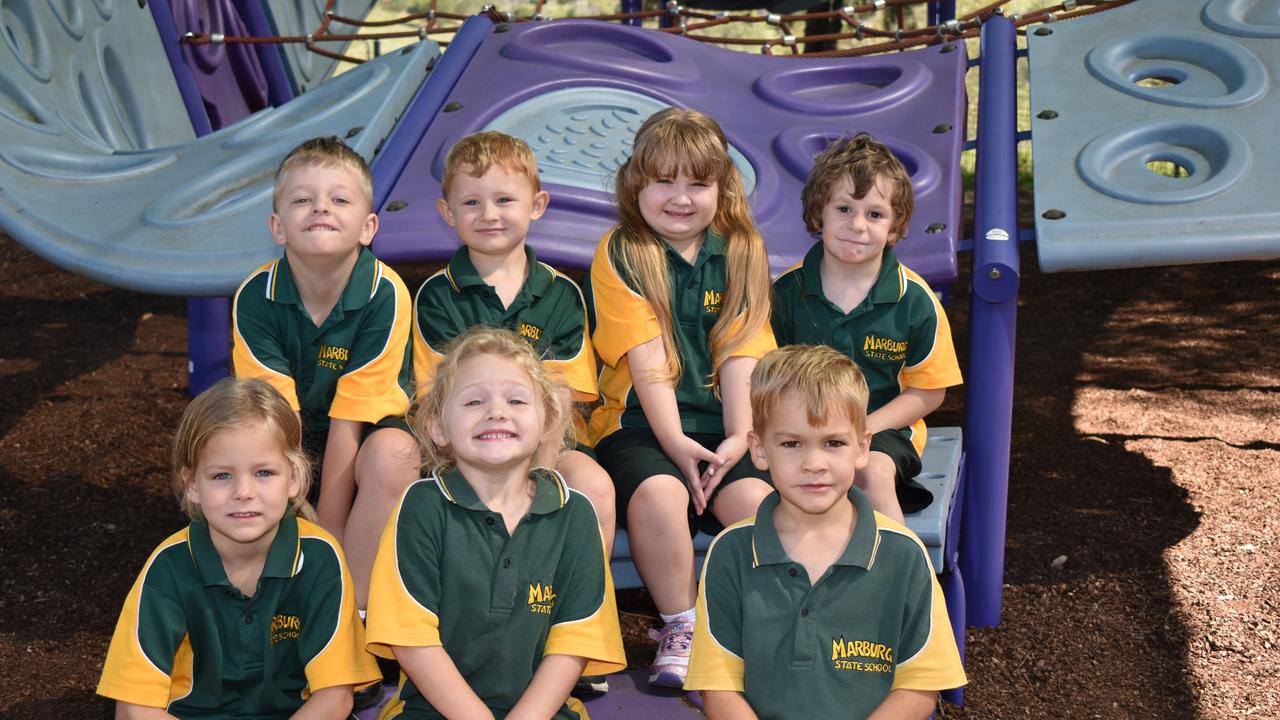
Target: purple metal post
[182, 74]
[941, 11]
[632, 6]
[400, 145]
[208, 342]
[992, 326]
[279, 87]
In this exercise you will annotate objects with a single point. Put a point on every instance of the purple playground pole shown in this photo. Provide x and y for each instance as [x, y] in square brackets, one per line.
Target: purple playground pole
[398, 147]
[992, 326]
[279, 87]
[632, 6]
[941, 11]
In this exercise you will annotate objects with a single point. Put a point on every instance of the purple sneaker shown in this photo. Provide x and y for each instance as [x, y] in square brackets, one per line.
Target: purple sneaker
[671, 663]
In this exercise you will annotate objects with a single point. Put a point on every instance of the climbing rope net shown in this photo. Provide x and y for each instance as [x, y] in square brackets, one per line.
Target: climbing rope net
[862, 27]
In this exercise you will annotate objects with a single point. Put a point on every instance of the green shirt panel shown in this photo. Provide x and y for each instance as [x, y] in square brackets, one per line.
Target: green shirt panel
[896, 334]
[830, 649]
[497, 600]
[549, 312]
[696, 292]
[355, 365]
[189, 635]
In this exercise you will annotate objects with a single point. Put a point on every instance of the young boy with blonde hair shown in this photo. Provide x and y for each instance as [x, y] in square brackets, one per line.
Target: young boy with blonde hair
[491, 195]
[328, 326]
[819, 606]
[851, 293]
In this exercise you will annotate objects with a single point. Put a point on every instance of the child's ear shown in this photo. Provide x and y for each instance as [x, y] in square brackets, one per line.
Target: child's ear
[277, 228]
[369, 230]
[436, 430]
[540, 201]
[446, 212]
[193, 495]
[757, 451]
[864, 450]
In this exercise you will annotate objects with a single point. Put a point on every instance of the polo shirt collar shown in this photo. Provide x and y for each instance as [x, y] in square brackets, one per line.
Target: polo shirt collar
[766, 548]
[284, 557]
[550, 492]
[359, 290]
[462, 273]
[712, 244]
[888, 285]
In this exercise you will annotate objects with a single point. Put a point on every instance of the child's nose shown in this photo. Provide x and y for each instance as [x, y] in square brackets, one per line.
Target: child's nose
[244, 487]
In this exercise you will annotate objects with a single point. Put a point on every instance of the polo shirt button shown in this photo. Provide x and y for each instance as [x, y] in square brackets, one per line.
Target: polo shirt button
[804, 612]
[506, 563]
[248, 619]
[791, 572]
[488, 521]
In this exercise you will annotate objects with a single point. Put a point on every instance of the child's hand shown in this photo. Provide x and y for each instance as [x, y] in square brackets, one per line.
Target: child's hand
[686, 453]
[730, 451]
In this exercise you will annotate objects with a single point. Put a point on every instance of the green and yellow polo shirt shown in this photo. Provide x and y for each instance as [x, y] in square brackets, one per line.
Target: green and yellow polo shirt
[549, 312]
[622, 319]
[875, 622]
[448, 574]
[355, 366]
[898, 335]
[190, 642]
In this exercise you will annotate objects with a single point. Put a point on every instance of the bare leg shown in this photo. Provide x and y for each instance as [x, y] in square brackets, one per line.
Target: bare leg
[387, 463]
[658, 529]
[739, 500]
[586, 476]
[878, 480]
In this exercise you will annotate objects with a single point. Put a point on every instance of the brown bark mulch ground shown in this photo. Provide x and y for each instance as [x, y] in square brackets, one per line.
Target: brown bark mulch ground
[1146, 450]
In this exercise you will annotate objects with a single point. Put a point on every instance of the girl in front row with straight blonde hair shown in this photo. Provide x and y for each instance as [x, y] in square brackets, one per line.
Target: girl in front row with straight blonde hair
[679, 296]
[249, 610]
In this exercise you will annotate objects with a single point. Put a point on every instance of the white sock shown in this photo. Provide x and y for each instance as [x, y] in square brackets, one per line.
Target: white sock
[362, 614]
[686, 616]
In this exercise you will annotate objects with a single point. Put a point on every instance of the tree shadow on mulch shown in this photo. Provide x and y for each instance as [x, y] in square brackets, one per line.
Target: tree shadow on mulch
[1104, 626]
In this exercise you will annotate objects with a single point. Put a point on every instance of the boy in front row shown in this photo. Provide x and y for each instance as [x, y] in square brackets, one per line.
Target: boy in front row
[327, 325]
[819, 606]
[851, 293]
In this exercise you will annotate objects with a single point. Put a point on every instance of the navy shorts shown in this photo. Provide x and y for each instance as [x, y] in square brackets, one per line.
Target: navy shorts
[633, 455]
[912, 496]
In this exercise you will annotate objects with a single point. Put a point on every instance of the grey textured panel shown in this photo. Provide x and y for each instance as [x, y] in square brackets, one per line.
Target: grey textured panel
[188, 218]
[303, 17]
[582, 135]
[86, 75]
[940, 472]
[1186, 86]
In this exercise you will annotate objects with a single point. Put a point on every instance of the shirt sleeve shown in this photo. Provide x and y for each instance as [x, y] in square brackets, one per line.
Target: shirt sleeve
[142, 658]
[404, 592]
[434, 324]
[584, 621]
[783, 307]
[332, 636]
[623, 319]
[374, 385]
[716, 662]
[928, 658]
[567, 349]
[257, 348]
[931, 356]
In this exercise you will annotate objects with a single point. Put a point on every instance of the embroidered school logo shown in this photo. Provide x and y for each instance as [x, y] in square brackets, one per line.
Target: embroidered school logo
[541, 598]
[861, 655]
[878, 348]
[332, 357]
[532, 332]
[711, 300]
[285, 627]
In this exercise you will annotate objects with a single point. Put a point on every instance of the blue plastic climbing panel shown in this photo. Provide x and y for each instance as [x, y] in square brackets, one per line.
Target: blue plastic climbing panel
[1155, 134]
[302, 17]
[101, 172]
